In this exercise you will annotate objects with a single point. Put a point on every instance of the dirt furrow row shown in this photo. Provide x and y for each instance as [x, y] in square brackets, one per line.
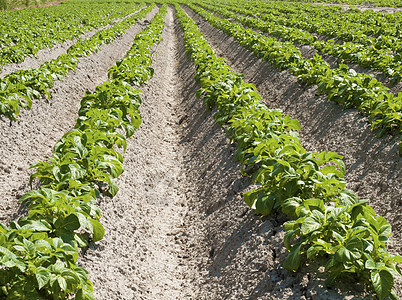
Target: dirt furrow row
[178, 227]
[373, 165]
[33, 136]
[139, 257]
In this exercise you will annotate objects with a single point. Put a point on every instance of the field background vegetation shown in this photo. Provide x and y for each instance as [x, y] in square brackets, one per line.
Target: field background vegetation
[10, 4]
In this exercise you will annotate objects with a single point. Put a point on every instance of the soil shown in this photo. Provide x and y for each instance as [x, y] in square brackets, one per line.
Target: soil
[178, 227]
[140, 256]
[308, 52]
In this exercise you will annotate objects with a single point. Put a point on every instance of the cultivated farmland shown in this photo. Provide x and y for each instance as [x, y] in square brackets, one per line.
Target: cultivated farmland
[201, 150]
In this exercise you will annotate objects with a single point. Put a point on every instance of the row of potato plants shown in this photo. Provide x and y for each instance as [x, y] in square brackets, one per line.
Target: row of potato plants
[18, 89]
[342, 85]
[327, 220]
[369, 28]
[366, 56]
[15, 4]
[38, 252]
[375, 3]
[25, 32]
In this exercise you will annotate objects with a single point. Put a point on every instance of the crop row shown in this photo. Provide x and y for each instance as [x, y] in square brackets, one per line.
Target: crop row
[25, 32]
[18, 89]
[328, 220]
[38, 253]
[342, 85]
[10, 4]
[367, 54]
[367, 28]
[381, 3]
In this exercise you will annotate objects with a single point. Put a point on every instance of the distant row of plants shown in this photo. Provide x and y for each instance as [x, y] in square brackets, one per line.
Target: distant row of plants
[23, 33]
[327, 220]
[375, 3]
[333, 4]
[18, 89]
[342, 85]
[38, 252]
[383, 53]
[367, 28]
[10, 4]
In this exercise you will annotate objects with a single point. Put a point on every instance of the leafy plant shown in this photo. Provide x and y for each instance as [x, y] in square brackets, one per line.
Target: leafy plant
[342, 85]
[38, 253]
[328, 221]
[19, 88]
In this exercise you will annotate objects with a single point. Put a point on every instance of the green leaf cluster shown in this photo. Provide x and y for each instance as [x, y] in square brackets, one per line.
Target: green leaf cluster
[24, 32]
[342, 85]
[327, 220]
[38, 253]
[18, 89]
[369, 44]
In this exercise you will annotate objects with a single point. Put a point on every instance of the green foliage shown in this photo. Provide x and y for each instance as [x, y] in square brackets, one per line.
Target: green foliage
[38, 253]
[342, 85]
[18, 89]
[3, 4]
[370, 44]
[327, 220]
[24, 32]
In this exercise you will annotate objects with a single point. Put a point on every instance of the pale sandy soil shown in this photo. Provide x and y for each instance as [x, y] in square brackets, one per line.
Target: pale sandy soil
[140, 257]
[373, 167]
[308, 52]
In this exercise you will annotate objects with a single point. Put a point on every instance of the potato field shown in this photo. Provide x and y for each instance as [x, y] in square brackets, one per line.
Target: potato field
[189, 149]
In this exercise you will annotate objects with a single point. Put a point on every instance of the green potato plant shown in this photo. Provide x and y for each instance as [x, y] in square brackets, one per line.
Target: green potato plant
[326, 219]
[39, 252]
